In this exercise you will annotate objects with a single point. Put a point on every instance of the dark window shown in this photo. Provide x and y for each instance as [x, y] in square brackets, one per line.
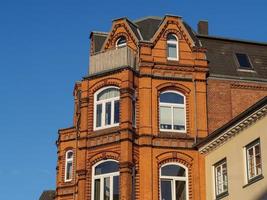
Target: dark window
[243, 61]
[106, 167]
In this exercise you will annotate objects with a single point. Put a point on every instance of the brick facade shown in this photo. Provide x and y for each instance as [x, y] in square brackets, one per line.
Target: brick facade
[143, 149]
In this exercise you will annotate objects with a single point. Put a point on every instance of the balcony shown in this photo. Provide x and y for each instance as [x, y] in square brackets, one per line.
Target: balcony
[112, 59]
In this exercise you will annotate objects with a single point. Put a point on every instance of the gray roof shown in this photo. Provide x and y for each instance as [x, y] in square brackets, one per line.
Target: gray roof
[223, 62]
[220, 51]
[148, 26]
[48, 195]
[98, 39]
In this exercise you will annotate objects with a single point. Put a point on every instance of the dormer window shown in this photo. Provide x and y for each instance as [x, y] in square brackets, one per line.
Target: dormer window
[172, 47]
[121, 42]
[243, 61]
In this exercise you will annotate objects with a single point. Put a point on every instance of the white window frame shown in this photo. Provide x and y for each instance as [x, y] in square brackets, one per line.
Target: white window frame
[175, 178]
[103, 102]
[121, 45]
[172, 106]
[219, 165]
[67, 161]
[101, 177]
[252, 146]
[176, 43]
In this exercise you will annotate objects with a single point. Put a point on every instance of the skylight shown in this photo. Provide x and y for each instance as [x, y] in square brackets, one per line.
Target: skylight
[243, 61]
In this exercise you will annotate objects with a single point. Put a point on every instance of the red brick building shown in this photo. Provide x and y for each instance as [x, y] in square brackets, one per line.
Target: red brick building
[155, 87]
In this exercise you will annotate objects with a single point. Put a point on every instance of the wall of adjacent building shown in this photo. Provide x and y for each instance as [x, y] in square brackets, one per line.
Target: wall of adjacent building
[228, 98]
[233, 151]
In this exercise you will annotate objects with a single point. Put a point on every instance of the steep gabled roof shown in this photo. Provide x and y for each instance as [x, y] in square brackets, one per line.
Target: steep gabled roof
[148, 26]
[98, 39]
[48, 195]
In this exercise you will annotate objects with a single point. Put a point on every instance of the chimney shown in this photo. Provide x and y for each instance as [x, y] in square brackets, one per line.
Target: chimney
[203, 27]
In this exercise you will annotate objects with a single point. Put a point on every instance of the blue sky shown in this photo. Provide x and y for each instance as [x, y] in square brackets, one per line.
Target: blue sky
[44, 50]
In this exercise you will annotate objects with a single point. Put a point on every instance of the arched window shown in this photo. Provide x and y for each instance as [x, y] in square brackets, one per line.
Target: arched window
[105, 180]
[172, 111]
[68, 165]
[173, 182]
[107, 108]
[121, 42]
[172, 47]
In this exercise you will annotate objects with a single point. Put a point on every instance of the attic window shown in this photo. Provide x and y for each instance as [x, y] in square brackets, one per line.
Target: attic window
[243, 61]
[121, 42]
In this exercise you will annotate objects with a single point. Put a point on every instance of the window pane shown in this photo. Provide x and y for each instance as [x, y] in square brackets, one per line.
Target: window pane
[121, 41]
[106, 167]
[108, 93]
[69, 155]
[69, 170]
[97, 189]
[171, 97]
[165, 118]
[180, 190]
[172, 51]
[116, 184]
[172, 170]
[108, 113]
[171, 37]
[166, 189]
[106, 188]
[98, 115]
[116, 112]
[243, 61]
[178, 119]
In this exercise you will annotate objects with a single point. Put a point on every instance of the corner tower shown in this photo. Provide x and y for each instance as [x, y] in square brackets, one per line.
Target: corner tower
[137, 115]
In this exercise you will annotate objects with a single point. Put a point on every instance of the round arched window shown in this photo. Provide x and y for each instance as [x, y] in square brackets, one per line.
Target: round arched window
[121, 42]
[172, 111]
[105, 181]
[107, 107]
[172, 47]
[173, 182]
[68, 165]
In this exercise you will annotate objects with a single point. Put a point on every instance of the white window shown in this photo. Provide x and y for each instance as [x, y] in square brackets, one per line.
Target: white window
[172, 111]
[253, 155]
[221, 180]
[172, 47]
[173, 182]
[121, 42]
[107, 108]
[68, 165]
[105, 181]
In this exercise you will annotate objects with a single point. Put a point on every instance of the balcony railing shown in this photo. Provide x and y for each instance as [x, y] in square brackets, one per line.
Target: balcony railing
[112, 59]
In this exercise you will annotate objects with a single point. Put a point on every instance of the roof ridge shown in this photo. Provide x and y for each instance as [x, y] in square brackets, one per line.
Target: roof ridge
[147, 17]
[232, 39]
[100, 32]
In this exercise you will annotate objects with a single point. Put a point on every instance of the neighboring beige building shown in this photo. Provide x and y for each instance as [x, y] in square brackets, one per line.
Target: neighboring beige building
[236, 157]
